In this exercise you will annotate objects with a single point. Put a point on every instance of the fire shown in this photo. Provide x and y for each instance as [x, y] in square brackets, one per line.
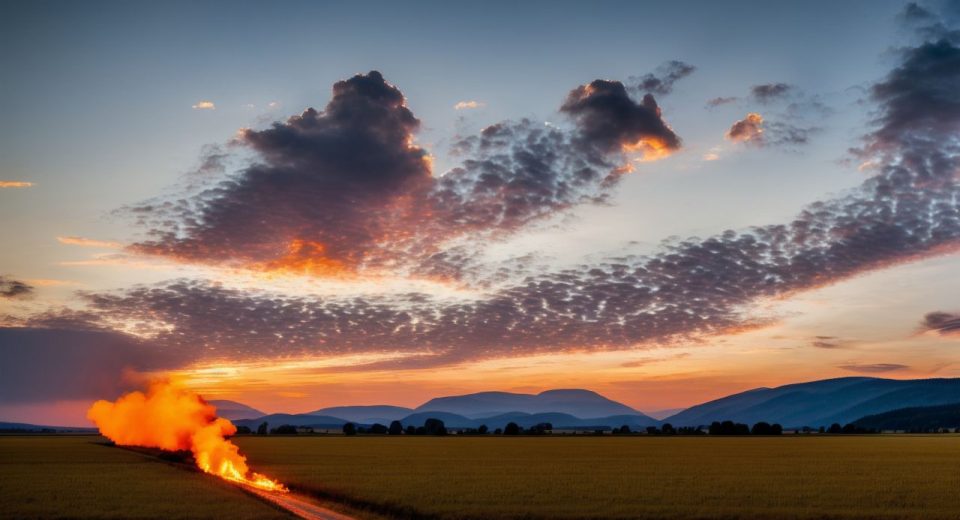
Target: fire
[174, 419]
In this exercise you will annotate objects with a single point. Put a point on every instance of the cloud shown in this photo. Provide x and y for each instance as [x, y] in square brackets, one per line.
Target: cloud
[748, 129]
[10, 288]
[15, 184]
[42, 365]
[89, 242]
[204, 105]
[686, 290]
[347, 189]
[468, 105]
[945, 323]
[874, 368]
[718, 101]
[770, 92]
[609, 120]
[661, 83]
[752, 129]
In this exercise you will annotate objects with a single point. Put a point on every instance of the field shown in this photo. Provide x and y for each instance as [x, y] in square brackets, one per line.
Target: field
[628, 477]
[506, 477]
[74, 476]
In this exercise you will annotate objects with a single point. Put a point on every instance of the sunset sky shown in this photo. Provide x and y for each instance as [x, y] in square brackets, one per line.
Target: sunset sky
[308, 204]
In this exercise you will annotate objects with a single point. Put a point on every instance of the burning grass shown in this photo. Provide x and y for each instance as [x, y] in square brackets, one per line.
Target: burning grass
[630, 477]
[74, 477]
[175, 419]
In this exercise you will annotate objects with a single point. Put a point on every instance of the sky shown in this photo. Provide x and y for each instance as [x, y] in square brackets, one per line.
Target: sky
[310, 204]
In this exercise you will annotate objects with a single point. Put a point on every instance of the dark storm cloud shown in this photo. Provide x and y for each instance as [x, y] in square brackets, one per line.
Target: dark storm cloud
[661, 82]
[10, 288]
[608, 119]
[945, 323]
[38, 365]
[874, 368]
[768, 92]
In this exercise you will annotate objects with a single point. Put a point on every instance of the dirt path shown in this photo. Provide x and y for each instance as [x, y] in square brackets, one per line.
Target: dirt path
[299, 505]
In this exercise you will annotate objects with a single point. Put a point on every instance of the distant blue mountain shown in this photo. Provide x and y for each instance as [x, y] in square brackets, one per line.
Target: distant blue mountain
[915, 418]
[382, 414]
[37, 428]
[526, 420]
[233, 410]
[821, 403]
[279, 419]
[578, 403]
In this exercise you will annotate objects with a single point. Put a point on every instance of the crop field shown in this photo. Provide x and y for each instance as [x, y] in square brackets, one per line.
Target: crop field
[74, 476]
[624, 477]
[504, 477]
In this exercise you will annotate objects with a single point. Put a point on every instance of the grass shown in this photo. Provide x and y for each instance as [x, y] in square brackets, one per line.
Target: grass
[75, 477]
[626, 477]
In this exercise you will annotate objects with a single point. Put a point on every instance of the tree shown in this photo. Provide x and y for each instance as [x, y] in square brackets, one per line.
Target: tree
[667, 429]
[776, 429]
[411, 430]
[378, 429]
[395, 428]
[285, 429]
[653, 430]
[482, 430]
[835, 428]
[262, 429]
[349, 429]
[540, 429]
[243, 430]
[623, 430]
[434, 427]
[512, 429]
[498, 431]
[761, 428]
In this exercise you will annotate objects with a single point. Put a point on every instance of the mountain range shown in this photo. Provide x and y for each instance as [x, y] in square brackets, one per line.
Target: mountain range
[821, 403]
[816, 403]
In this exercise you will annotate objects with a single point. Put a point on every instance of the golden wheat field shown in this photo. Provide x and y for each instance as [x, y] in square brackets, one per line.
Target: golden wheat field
[625, 477]
[502, 477]
[80, 477]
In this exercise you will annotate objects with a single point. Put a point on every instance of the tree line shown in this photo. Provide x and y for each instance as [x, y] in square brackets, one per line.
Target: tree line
[437, 427]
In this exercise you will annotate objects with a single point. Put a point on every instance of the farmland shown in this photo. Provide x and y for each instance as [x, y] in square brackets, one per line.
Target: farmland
[630, 477]
[880, 476]
[76, 476]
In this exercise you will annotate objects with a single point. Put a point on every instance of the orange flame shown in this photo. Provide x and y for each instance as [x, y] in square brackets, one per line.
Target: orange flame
[172, 418]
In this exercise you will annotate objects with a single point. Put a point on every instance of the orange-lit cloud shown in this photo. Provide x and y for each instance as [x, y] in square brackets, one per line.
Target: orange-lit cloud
[204, 105]
[89, 242]
[15, 184]
[468, 105]
[747, 130]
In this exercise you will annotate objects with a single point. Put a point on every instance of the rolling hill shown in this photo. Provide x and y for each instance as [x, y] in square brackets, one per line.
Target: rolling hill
[916, 418]
[821, 403]
[578, 403]
[382, 414]
[233, 410]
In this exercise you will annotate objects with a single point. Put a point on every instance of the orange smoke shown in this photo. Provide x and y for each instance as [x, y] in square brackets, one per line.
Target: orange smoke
[174, 419]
